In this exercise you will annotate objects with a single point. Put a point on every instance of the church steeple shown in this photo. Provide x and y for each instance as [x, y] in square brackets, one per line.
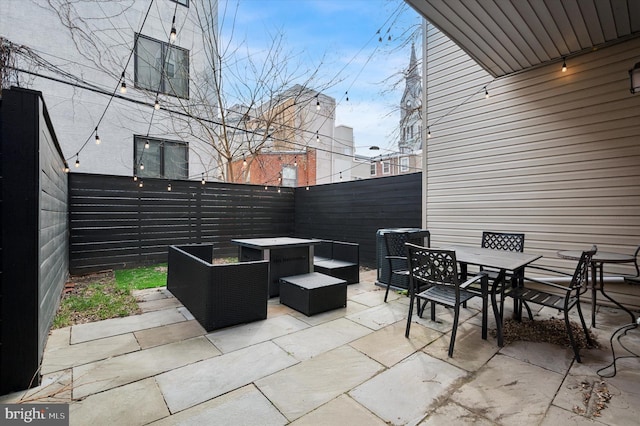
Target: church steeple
[410, 124]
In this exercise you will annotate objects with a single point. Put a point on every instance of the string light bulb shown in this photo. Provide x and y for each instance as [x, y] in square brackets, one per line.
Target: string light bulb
[141, 166]
[203, 181]
[428, 132]
[564, 64]
[77, 161]
[317, 136]
[295, 161]
[135, 178]
[97, 137]
[486, 93]
[244, 161]
[169, 187]
[123, 85]
[156, 106]
[173, 34]
[317, 103]
[347, 95]
[141, 184]
[146, 144]
[66, 167]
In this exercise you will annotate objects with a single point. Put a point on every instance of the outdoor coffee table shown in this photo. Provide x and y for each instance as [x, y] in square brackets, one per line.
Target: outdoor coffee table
[313, 293]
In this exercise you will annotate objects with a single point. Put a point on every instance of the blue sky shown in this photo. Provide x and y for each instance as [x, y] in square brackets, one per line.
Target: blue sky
[340, 37]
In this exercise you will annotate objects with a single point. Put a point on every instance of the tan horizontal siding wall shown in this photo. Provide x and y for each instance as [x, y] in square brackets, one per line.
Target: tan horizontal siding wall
[555, 155]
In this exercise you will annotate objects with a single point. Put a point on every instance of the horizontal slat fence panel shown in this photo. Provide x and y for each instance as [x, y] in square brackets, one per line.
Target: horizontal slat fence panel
[117, 224]
[354, 211]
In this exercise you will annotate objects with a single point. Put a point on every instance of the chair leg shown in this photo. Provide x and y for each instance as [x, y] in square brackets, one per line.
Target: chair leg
[571, 338]
[421, 308]
[454, 329]
[386, 293]
[406, 333]
[526, 305]
[584, 324]
[433, 311]
[485, 311]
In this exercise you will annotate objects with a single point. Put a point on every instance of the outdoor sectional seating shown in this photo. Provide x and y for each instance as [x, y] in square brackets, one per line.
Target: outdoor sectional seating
[339, 259]
[219, 295]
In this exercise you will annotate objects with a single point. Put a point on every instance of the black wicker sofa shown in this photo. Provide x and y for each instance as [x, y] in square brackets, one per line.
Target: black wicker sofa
[219, 295]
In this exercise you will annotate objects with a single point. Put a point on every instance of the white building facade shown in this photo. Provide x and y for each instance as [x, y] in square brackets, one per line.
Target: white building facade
[82, 53]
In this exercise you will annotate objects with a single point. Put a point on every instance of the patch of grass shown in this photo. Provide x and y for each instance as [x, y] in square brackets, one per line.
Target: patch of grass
[94, 298]
[141, 278]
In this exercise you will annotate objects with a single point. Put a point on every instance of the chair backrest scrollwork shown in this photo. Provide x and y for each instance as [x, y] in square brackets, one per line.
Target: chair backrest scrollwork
[432, 266]
[503, 241]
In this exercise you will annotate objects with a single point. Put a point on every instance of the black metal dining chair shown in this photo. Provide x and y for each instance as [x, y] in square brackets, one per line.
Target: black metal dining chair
[398, 271]
[507, 241]
[562, 298]
[438, 270]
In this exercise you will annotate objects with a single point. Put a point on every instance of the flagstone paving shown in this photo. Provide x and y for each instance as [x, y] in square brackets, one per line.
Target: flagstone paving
[350, 366]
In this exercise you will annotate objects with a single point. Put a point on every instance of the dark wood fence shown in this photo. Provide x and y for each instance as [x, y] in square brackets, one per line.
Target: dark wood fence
[354, 211]
[34, 243]
[116, 224]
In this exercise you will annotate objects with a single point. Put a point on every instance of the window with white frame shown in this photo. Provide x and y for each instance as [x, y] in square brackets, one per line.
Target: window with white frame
[289, 176]
[386, 167]
[160, 158]
[373, 168]
[160, 67]
[404, 164]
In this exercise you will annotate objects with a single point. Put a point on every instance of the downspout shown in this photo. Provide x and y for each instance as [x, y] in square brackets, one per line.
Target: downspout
[424, 123]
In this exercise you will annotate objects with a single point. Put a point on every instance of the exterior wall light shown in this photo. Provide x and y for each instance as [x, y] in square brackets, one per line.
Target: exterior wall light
[634, 77]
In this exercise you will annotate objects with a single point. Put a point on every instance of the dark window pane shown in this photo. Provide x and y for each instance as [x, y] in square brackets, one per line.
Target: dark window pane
[148, 64]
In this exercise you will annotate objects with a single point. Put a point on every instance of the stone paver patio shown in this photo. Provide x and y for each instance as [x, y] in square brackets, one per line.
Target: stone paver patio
[350, 366]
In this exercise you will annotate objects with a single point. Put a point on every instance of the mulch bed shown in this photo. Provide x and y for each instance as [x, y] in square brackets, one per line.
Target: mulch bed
[551, 330]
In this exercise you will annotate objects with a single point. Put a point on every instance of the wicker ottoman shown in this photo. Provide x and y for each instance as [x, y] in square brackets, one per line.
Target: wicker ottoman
[313, 293]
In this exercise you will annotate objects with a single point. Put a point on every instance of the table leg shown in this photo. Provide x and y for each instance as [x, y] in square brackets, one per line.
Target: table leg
[485, 309]
[619, 305]
[594, 292]
[494, 304]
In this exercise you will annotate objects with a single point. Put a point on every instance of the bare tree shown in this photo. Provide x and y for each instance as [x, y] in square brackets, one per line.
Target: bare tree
[239, 104]
[243, 103]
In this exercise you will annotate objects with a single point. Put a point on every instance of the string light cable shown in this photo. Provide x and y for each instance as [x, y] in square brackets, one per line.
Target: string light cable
[118, 85]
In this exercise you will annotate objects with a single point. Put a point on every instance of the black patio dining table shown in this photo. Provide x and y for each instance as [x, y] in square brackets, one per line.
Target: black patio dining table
[286, 255]
[504, 261]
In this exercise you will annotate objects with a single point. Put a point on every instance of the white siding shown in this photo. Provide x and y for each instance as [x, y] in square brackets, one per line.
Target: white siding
[555, 155]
